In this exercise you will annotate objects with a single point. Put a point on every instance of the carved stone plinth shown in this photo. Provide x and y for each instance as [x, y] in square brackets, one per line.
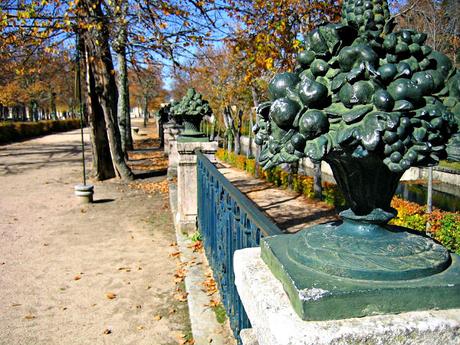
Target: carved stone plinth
[275, 322]
[173, 159]
[187, 181]
[171, 131]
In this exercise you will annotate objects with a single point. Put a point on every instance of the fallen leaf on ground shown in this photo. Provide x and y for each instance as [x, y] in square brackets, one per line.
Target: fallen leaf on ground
[175, 254]
[161, 187]
[29, 317]
[210, 286]
[213, 304]
[196, 246]
[107, 331]
[181, 297]
[157, 317]
[77, 277]
[110, 295]
[179, 276]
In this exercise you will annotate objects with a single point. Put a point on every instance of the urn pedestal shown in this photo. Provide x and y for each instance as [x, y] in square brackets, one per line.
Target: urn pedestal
[363, 266]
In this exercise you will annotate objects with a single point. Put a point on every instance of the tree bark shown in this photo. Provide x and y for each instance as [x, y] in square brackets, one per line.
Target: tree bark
[102, 167]
[53, 112]
[146, 111]
[99, 59]
[255, 100]
[123, 100]
[251, 124]
[238, 132]
[317, 181]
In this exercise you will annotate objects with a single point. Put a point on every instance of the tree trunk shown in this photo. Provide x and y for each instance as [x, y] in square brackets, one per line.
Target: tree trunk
[293, 170]
[53, 112]
[102, 167]
[123, 100]
[229, 129]
[238, 132]
[99, 59]
[146, 111]
[317, 181]
[255, 100]
[251, 124]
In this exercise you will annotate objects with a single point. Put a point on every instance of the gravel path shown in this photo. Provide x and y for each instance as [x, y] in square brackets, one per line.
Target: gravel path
[73, 274]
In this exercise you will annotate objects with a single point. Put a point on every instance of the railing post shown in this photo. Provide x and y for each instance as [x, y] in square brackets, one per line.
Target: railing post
[187, 195]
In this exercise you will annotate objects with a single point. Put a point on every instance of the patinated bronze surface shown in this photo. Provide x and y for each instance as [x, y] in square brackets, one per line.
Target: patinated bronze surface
[372, 102]
[190, 110]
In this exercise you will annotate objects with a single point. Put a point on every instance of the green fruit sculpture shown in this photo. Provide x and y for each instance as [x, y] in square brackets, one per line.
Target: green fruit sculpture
[379, 92]
[190, 111]
[371, 102]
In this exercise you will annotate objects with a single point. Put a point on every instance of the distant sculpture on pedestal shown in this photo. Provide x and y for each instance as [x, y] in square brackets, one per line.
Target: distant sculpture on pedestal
[190, 110]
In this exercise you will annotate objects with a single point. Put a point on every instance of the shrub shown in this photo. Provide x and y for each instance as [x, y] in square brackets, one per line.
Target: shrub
[443, 226]
[251, 166]
[16, 131]
[332, 195]
[240, 162]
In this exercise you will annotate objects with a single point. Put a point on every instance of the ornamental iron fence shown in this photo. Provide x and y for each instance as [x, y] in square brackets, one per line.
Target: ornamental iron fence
[228, 221]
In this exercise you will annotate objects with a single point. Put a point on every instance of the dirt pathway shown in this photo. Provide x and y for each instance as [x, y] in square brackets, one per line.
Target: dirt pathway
[289, 210]
[73, 274]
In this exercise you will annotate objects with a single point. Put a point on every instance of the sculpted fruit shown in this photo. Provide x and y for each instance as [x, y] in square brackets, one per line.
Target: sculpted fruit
[313, 123]
[279, 84]
[283, 112]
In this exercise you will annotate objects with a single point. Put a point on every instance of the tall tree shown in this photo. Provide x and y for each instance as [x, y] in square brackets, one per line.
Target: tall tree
[440, 20]
[102, 85]
[120, 47]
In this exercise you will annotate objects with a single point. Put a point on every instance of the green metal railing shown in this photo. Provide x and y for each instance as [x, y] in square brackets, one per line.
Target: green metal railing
[228, 221]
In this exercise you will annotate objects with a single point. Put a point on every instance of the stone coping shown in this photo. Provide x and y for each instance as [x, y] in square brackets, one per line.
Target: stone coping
[275, 322]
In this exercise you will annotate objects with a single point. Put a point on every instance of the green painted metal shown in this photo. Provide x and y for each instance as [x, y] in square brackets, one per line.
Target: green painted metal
[190, 110]
[319, 293]
[372, 102]
[228, 221]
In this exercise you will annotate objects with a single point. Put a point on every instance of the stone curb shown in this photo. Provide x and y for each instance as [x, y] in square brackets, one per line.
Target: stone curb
[205, 328]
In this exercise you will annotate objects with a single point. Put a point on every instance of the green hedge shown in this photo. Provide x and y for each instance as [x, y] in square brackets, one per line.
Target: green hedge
[17, 131]
[280, 178]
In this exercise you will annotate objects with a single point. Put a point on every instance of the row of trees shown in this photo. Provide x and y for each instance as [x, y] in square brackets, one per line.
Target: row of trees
[227, 49]
[268, 34]
[131, 33]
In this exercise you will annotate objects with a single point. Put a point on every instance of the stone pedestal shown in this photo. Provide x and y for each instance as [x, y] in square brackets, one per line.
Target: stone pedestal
[171, 131]
[275, 322]
[173, 159]
[84, 193]
[187, 181]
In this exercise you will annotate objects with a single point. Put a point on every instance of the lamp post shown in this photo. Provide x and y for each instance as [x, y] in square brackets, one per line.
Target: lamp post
[83, 191]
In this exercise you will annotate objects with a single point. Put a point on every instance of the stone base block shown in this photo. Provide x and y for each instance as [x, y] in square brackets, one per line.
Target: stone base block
[84, 193]
[275, 322]
[248, 337]
[316, 275]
